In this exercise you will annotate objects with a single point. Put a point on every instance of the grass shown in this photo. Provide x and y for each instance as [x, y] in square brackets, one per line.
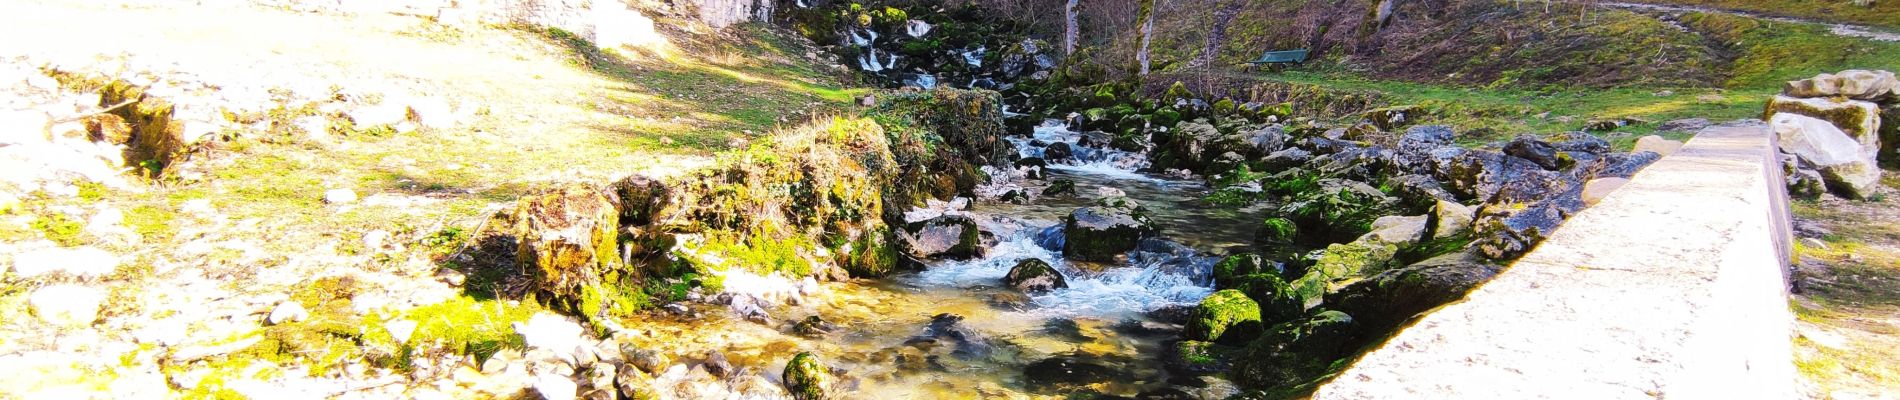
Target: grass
[1850, 294]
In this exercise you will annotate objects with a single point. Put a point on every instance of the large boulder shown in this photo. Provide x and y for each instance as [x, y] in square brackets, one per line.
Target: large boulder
[1190, 146]
[1033, 275]
[1854, 84]
[947, 236]
[1536, 151]
[1340, 210]
[1389, 298]
[805, 378]
[1226, 316]
[1848, 167]
[1294, 355]
[1505, 231]
[1860, 120]
[1342, 264]
[1278, 302]
[1099, 233]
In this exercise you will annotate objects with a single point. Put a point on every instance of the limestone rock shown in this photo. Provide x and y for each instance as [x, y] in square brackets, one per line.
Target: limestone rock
[1859, 120]
[66, 304]
[1854, 84]
[1656, 144]
[1845, 164]
[339, 196]
[1597, 189]
[1397, 230]
[952, 236]
[1034, 276]
[1450, 220]
[79, 262]
[555, 387]
[386, 114]
[288, 311]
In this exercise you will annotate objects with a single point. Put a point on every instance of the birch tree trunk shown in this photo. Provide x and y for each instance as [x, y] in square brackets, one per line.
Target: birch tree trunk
[1074, 32]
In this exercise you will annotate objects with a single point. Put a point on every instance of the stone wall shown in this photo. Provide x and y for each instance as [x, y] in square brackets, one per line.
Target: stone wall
[1673, 286]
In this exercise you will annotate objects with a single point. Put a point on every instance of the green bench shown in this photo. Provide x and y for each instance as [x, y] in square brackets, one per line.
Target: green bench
[1281, 57]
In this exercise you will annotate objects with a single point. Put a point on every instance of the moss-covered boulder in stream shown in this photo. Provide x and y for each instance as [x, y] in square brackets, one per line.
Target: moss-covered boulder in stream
[1101, 232]
[1228, 271]
[1339, 210]
[1342, 264]
[1386, 300]
[1292, 357]
[1033, 275]
[1226, 316]
[806, 378]
[1278, 302]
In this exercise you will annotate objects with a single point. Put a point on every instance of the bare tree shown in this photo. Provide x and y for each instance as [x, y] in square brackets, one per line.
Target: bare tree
[1147, 20]
[1073, 32]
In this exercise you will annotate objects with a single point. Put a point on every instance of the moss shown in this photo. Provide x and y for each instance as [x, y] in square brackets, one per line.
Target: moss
[1278, 301]
[1278, 230]
[807, 378]
[152, 223]
[1234, 266]
[61, 229]
[1226, 316]
[1342, 264]
[470, 326]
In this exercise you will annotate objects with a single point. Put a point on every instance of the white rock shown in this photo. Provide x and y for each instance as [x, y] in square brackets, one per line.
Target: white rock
[287, 311]
[1597, 189]
[166, 332]
[107, 222]
[1855, 84]
[66, 304]
[378, 115]
[1656, 144]
[1453, 219]
[401, 329]
[339, 196]
[9, 202]
[555, 387]
[616, 26]
[315, 127]
[433, 113]
[376, 239]
[1397, 229]
[80, 262]
[1845, 165]
[916, 28]
[552, 332]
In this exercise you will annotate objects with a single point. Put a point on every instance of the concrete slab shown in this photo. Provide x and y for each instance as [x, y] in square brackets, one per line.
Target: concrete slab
[1673, 287]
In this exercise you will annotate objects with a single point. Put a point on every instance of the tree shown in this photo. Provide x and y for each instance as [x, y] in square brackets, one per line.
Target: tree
[1073, 32]
[1146, 18]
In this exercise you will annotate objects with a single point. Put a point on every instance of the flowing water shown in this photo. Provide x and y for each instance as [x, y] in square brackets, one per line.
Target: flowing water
[953, 330]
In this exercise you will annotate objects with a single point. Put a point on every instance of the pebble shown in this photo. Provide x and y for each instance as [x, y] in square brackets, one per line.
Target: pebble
[79, 262]
[555, 387]
[288, 311]
[66, 304]
[339, 196]
[400, 329]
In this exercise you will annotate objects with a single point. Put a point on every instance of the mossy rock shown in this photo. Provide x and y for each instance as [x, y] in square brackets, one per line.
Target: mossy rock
[1196, 357]
[1278, 302]
[1299, 353]
[1100, 233]
[1226, 316]
[1277, 230]
[1033, 276]
[1339, 211]
[947, 236]
[567, 242]
[805, 378]
[1234, 266]
[1059, 187]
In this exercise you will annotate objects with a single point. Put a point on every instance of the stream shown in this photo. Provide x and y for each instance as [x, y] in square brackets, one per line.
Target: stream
[954, 330]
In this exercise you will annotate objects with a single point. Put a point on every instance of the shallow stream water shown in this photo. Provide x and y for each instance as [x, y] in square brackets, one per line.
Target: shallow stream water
[953, 330]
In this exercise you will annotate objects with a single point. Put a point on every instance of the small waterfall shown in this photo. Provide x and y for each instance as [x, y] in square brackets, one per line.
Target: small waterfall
[1152, 279]
[916, 28]
[1089, 152]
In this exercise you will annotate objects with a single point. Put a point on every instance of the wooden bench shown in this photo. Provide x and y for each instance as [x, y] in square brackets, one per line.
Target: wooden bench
[1281, 57]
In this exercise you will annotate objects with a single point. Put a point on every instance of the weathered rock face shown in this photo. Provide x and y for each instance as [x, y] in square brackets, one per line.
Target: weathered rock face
[1507, 230]
[1854, 84]
[1860, 120]
[1100, 233]
[1226, 316]
[1387, 299]
[806, 378]
[566, 241]
[1034, 276]
[1189, 147]
[1845, 163]
[946, 236]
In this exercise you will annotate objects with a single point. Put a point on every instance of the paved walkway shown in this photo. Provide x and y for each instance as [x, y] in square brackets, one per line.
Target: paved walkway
[1670, 288]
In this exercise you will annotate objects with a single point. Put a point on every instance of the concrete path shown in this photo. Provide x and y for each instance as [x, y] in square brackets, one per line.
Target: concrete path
[1670, 288]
